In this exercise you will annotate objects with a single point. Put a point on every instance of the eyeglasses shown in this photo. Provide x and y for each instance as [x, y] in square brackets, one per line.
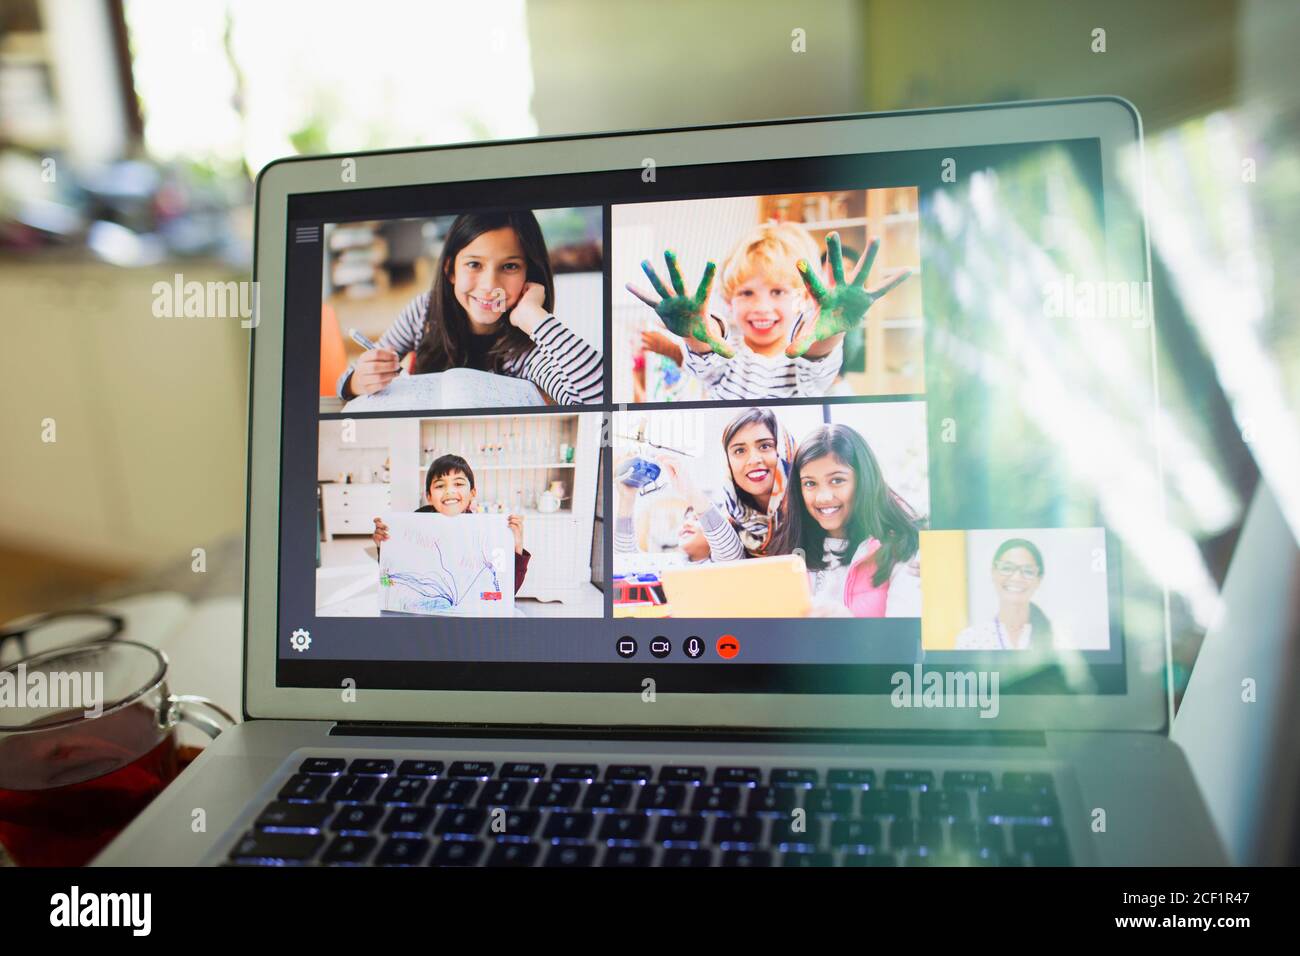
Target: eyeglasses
[1007, 569]
[49, 632]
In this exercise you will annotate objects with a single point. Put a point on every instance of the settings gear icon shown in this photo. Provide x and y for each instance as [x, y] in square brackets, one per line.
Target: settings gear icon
[301, 640]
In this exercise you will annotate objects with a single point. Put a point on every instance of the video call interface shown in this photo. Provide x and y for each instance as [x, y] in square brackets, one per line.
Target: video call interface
[725, 421]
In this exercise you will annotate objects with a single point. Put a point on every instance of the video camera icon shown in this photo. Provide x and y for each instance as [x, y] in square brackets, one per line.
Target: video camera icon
[661, 646]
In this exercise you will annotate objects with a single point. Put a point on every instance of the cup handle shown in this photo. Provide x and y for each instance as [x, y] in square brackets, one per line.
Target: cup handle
[197, 712]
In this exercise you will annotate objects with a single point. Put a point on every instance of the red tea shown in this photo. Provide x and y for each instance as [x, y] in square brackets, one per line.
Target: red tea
[64, 794]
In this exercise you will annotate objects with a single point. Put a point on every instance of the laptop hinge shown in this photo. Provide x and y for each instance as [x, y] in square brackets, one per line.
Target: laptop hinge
[1004, 738]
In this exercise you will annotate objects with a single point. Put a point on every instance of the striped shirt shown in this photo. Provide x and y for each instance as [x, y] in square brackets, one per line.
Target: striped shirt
[561, 364]
[749, 375]
[625, 541]
[724, 540]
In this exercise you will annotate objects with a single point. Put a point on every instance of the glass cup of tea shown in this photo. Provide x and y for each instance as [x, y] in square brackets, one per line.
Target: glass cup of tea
[87, 740]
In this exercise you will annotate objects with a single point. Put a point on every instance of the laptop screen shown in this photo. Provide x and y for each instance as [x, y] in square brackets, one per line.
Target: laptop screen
[776, 426]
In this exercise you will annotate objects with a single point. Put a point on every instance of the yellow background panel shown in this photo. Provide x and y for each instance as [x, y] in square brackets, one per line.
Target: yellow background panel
[943, 588]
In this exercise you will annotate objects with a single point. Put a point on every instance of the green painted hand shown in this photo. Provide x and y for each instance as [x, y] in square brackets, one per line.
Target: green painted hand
[843, 306]
[684, 315]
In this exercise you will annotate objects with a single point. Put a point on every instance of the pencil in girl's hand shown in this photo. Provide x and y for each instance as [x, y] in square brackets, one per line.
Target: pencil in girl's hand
[361, 340]
[369, 346]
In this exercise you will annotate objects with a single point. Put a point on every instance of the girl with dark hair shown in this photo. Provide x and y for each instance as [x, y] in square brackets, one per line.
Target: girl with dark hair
[1019, 623]
[859, 537]
[489, 309]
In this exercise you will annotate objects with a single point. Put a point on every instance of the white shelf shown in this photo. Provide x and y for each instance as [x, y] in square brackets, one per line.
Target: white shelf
[855, 222]
[835, 223]
[478, 468]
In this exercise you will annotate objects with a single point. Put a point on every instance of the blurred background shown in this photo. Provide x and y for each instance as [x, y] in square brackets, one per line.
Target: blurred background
[131, 130]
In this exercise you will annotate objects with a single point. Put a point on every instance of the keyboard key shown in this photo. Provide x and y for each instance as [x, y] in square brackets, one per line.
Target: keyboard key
[968, 780]
[687, 775]
[857, 834]
[912, 834]
[403, 851]
[575, 771]
[793, 777]
[1012, 807]
[503, 793]
[624, 827]
[716, 799]
[403, 791]
[1043, 846]
[516, 824]
[951, 805]
[412, 820]
[420, 768]
[294, 816]
[678, 857]
[452, 793]
[514, 854]
[680, 830]
[457, 853]
[827, 802]
[607, 796]
[628, 856]
[460, 821]
[568, 826]
[1028, 782]
[855, 779]
[662, 798]
[738, 776]
[917, 858]
[360, 819]
[352, 850]
[628, 773]
[277, 847]
[372, 767]
[807, 859]
[733, 833]
[472, 769]
[353, 789]
[976, 839]
[869, 859]
[770, 801]
[571, 856]
[523, 771]
[555, 794]
[327, 765]
[746, 858]
[797, 833]
[885, 803]
[305, 787]
[909, 780]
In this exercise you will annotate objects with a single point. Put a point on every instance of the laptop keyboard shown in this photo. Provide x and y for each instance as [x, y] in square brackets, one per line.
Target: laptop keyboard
[376, 812]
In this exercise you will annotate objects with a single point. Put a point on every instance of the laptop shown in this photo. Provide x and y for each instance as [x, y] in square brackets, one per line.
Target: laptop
[998, 696]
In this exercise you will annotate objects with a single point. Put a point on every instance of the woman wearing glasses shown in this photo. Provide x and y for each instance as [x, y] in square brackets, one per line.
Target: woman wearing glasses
[1019, 624]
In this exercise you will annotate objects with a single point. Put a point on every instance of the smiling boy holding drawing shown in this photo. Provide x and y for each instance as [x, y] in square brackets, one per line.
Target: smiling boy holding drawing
[449, 491]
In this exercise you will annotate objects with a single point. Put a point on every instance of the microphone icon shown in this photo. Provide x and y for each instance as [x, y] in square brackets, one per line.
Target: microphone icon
[694, 647]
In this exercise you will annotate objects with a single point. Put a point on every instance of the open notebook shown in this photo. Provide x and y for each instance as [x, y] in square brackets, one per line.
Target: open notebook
[454, 388]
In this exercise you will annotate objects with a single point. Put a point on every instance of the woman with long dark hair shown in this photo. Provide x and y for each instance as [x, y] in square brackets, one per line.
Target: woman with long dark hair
[859, 537]
[490, 308]
[1019, 623]
[754, 518]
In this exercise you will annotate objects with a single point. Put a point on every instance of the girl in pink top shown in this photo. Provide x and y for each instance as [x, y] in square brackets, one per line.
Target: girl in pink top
[859, 537]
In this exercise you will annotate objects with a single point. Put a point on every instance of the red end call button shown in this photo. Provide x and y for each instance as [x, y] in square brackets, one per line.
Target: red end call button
[728, 647]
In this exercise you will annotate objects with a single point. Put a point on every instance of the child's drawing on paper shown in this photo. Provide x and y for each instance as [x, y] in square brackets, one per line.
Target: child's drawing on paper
[434, 564]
